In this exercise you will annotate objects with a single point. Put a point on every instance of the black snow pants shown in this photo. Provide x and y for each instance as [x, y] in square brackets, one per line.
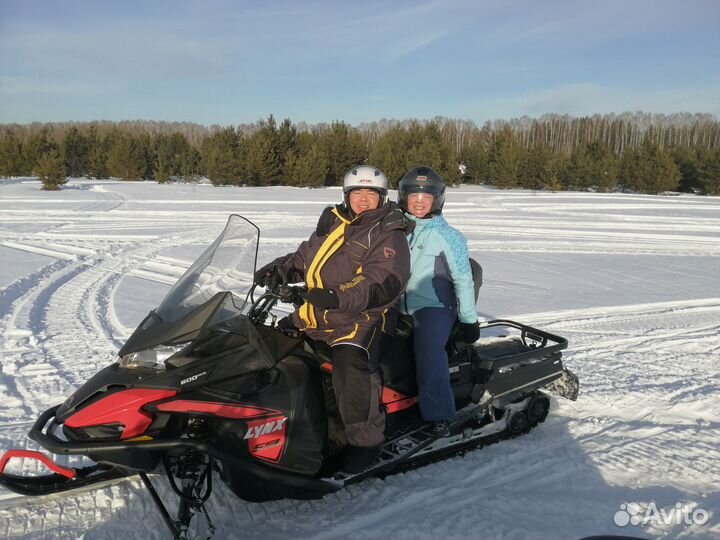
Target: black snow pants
[358, 387]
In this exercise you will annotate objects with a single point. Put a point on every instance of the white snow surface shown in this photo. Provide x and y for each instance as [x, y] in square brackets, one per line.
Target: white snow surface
[632, 281]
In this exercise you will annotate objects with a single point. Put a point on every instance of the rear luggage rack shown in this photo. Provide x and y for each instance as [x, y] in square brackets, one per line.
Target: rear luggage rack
[522, 359]
[532, 343]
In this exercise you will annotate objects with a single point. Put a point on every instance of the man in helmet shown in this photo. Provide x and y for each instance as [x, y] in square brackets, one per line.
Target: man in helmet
[356, 265]
[439, 292]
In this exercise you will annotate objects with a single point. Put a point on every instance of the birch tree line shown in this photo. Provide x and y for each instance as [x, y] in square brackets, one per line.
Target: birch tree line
[633, 151]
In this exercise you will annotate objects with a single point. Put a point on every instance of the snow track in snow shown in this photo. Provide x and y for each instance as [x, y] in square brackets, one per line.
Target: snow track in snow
[645, 427]
[68, 325]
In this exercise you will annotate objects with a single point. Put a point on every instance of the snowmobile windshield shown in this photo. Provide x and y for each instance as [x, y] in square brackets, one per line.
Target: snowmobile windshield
[213, 293]
[228, 264]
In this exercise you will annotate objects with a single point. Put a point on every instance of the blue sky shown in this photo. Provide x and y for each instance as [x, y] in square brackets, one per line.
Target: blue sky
[229, 62]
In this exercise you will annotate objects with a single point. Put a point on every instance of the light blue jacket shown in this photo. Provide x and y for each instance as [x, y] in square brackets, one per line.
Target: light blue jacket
[441, 274]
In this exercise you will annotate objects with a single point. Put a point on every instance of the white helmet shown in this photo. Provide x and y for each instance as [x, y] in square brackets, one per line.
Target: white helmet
[365, 176]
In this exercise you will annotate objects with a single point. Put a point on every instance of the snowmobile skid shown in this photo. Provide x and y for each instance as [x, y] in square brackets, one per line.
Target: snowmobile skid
[209, 386]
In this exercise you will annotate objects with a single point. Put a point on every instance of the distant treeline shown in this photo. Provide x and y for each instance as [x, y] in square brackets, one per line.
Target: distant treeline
[642, 152]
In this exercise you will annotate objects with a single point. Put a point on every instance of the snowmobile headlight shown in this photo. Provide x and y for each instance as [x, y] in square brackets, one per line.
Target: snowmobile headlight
[153, 358]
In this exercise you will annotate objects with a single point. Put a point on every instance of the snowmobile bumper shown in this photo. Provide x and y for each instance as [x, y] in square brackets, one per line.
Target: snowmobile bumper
[61, 479]
[567, 386]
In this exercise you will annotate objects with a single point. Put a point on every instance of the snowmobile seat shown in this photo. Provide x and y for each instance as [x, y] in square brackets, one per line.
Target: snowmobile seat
[397, 363]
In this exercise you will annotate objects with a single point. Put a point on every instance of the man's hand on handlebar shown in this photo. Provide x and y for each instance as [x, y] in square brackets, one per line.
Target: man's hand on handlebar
[266, 275]
[291, 294]
[274, 279]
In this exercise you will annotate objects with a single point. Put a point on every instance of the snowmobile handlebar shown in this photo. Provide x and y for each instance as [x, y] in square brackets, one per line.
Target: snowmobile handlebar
[278, 289]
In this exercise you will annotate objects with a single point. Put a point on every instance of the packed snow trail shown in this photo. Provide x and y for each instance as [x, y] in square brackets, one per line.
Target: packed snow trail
[631, 281]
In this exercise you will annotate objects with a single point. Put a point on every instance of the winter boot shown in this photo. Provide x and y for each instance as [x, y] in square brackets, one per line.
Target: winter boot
[439, 429]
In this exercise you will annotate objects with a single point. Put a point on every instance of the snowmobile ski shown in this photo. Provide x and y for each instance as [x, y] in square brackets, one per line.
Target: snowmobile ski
[61, 479]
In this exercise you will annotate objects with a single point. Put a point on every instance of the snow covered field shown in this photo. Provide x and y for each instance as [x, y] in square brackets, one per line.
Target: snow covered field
[632, 281]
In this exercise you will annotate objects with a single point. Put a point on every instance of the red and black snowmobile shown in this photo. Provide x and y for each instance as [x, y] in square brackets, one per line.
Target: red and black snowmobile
[208, 384]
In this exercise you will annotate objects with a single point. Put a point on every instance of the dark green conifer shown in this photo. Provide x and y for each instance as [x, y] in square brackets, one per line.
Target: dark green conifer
[50, 168]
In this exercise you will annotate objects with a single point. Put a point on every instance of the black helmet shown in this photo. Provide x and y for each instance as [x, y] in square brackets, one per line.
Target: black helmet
[422, 180]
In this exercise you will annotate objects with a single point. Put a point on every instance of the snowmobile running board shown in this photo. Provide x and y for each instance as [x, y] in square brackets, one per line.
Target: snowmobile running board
[415, 448]
[399, 450]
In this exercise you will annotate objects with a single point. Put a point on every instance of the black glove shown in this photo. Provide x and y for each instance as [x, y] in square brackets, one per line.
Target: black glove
[322, 298]
[265, 275]
[470, 332]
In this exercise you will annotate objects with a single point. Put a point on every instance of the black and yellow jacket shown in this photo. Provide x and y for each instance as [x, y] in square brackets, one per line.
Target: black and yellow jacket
[366, 260]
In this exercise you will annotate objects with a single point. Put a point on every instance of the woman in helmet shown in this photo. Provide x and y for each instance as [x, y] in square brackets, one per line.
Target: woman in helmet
[439, 292]
[355, 265]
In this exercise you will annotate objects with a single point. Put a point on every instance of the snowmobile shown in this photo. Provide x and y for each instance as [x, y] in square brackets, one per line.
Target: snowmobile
[210, 385]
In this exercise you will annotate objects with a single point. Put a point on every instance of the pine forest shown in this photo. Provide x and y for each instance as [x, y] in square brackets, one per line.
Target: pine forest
[639, 152]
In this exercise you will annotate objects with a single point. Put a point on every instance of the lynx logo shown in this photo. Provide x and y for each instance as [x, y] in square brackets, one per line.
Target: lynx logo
[193, 378]
[264, 429]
